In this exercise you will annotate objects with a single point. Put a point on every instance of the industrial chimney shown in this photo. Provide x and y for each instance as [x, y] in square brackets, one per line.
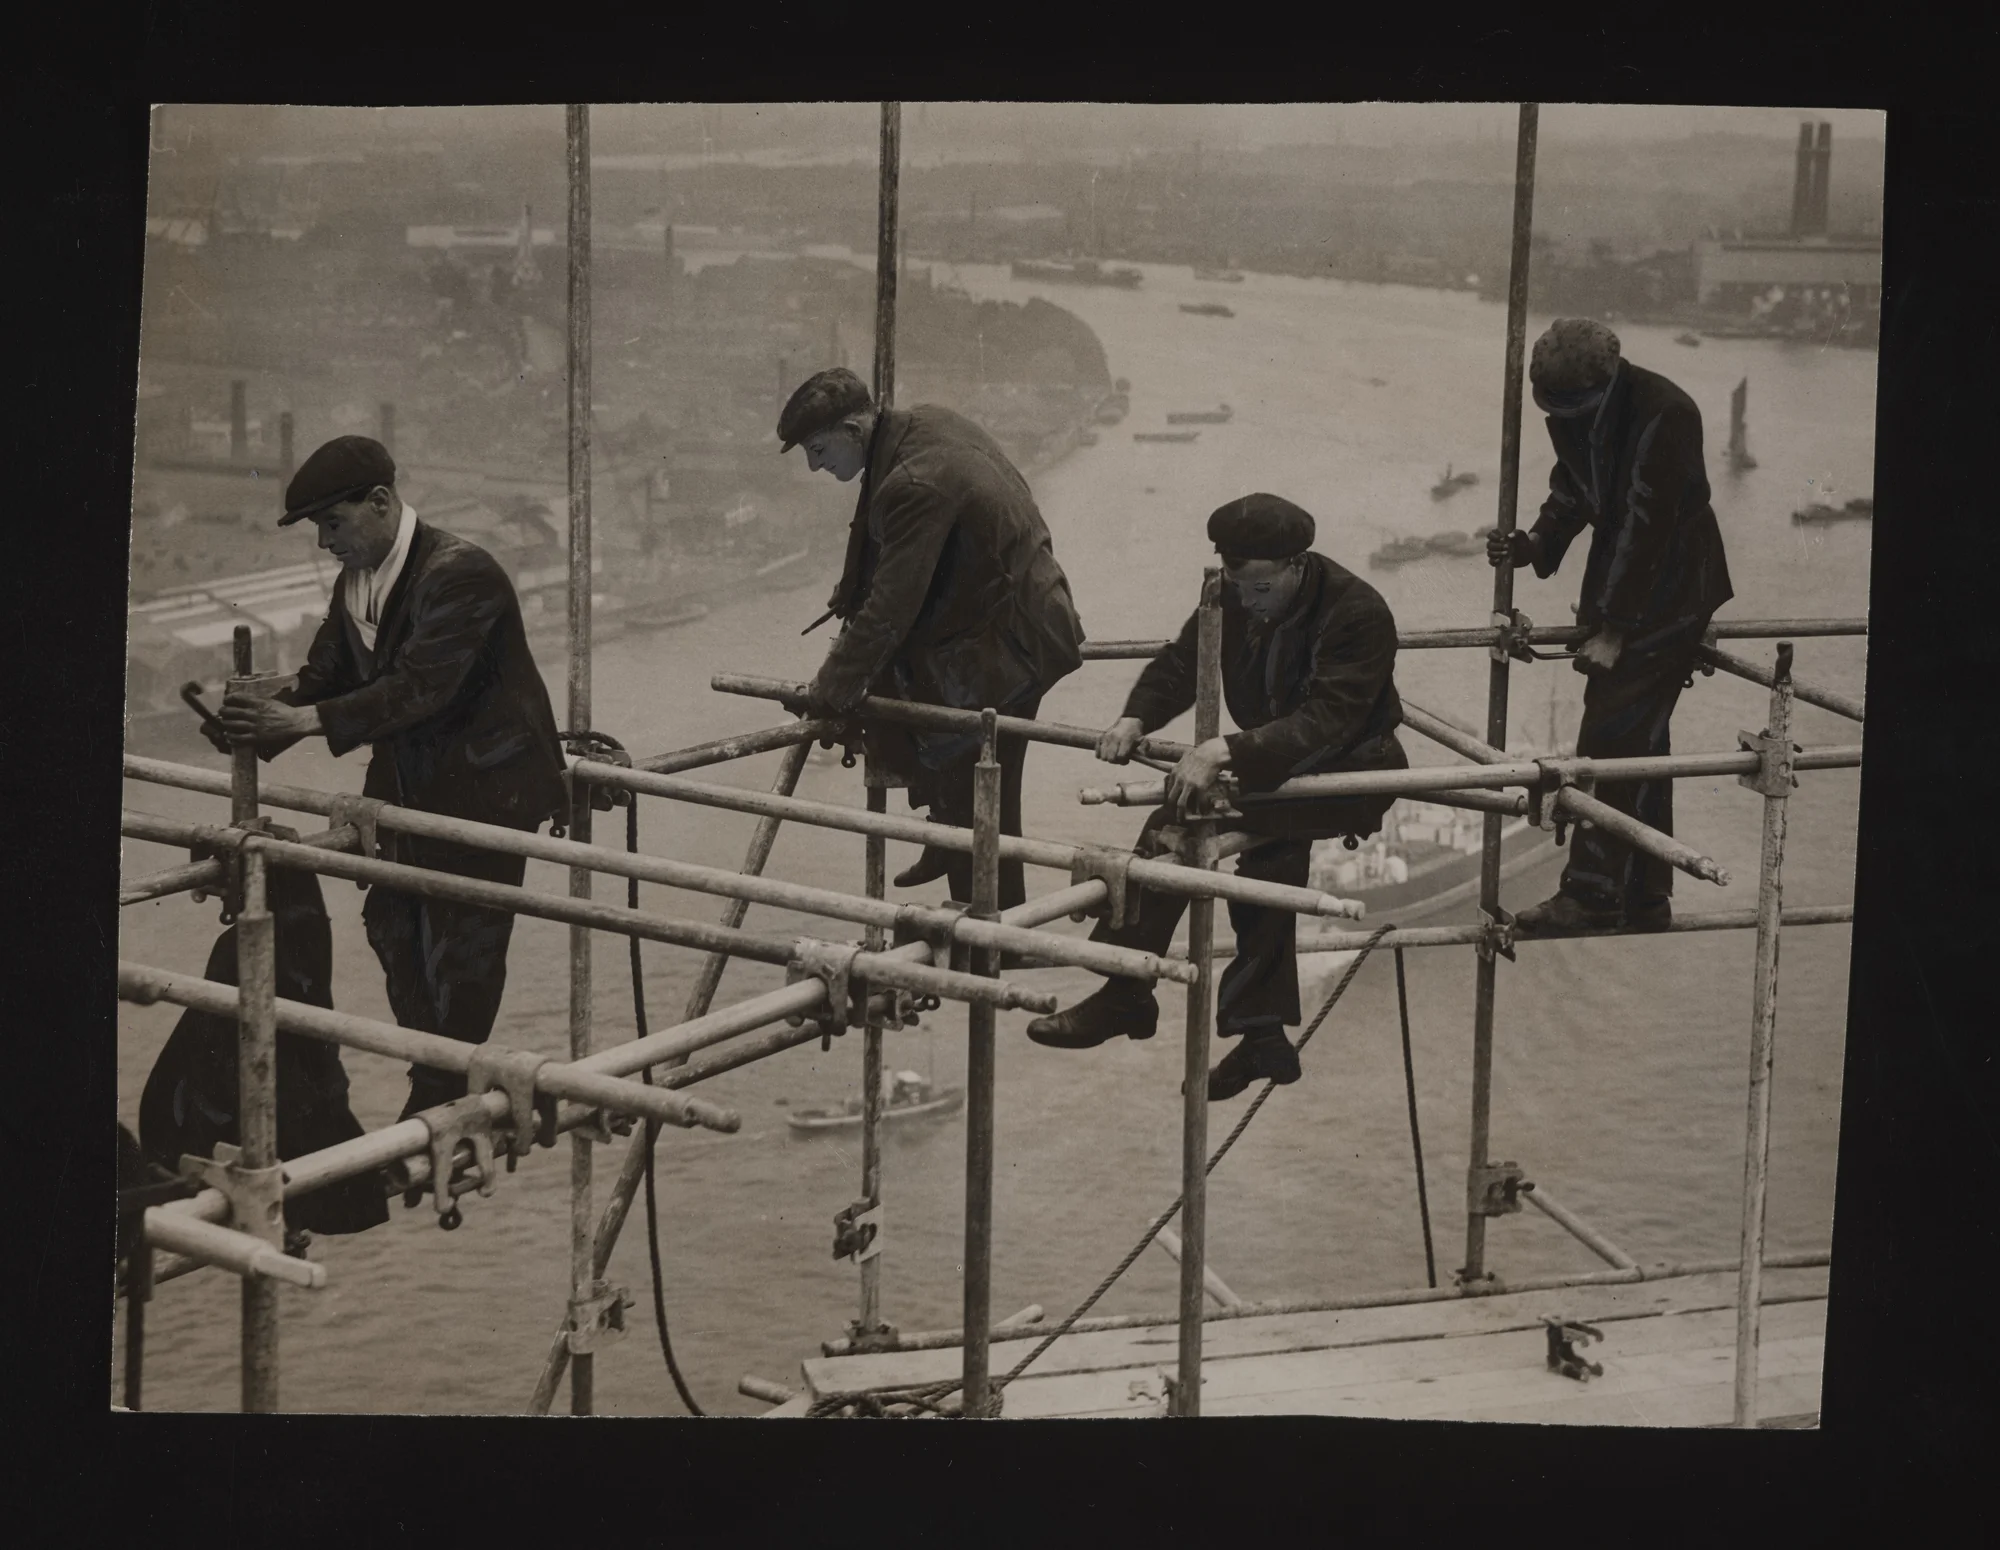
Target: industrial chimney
[1822, 177]
[1802, 182]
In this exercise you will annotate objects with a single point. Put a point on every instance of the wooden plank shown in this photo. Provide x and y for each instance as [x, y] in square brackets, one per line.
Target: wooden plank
[1462, 1376]
[1225, 1339]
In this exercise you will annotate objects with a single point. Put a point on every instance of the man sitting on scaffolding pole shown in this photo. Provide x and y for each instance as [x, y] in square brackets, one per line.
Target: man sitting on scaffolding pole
[1629, 465]
[1308, 662]
[951, 595]
[422, 654]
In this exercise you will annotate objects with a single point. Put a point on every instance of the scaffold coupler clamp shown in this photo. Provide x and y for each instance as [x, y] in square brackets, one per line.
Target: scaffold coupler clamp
[1112, 867]
[1565, 1336]
[226, 846]
[832, 964]
[1774, 776]
[364, 813]
[864, 1341]
[596, 1316]
[256, 1196]
[463, 1119]
[857, 1231]
[531, 1116]
[1497, 934]
[1494, 1189]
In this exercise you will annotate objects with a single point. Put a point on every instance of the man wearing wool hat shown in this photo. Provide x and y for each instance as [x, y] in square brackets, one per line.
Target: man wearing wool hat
[1308, 660]
[1629, 466]
[422, 655]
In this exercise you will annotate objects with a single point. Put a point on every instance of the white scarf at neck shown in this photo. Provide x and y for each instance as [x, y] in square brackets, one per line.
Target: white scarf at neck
[368, 590]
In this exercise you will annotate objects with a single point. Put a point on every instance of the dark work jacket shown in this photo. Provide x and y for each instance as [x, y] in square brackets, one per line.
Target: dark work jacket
[1313, 694]
[951, 581]
[450, 697]
[191, 1097]
[1635, 474]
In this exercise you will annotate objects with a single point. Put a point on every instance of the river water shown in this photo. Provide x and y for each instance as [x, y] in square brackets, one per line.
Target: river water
[1619, 1068]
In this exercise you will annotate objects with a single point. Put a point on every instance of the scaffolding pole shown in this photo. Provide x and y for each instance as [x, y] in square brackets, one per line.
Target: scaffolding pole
[886, 254]
[257, 1108]
[1487, 966]
[1775, 782]
[875, 882]
[584, 1286]
[1200, 1014]
[979, 1400]
[1543, 635]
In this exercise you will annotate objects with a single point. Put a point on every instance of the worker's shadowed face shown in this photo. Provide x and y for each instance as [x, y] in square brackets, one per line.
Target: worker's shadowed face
[360, 533]
[1264, 588]
[840, 450]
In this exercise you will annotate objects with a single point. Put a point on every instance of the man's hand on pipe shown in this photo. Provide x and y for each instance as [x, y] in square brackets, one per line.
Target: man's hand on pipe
[252, 719]
[1196, 775]
[1120, 740]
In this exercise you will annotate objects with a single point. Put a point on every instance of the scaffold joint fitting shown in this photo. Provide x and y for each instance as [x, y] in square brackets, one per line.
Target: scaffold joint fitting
[1112, 867]
[1494, 1189]
[1565, 1336]
[1774, 775]
[1498, 937]
[596, 1317]
[531, 1116]
[363, 813]
[256, 1196]
[857, 1231]
[463, 1119]
[832, 964]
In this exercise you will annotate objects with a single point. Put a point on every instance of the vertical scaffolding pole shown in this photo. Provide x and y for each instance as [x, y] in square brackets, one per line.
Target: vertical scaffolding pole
[257, 1106]
[979, 1072]
[875, 883]
[886, 264]
[632, 1172]
[1200, 1017]
[1496, 690]
[583, 1282]
[242, 757]
[1775, 782]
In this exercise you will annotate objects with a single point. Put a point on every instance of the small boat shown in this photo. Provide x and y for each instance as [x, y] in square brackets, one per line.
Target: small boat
[1451, 484]
[1219, 416]
[1457, 546]
[1688, 338]
[906, 1096]
[1861, 509]
[1113, 409]
[1230, 276]
[1398, 551]
[1165, 435]
[1085, 271]
[1208, 309]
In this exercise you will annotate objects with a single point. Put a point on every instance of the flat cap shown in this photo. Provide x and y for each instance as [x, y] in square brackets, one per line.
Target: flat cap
[825, 398]
[1260, 527]
[1575, 355]
[346, 468]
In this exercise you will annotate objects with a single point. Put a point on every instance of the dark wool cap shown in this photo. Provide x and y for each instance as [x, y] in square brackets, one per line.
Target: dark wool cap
[1574, 356]
[825, 398]
[1260, 527]
[346, 468]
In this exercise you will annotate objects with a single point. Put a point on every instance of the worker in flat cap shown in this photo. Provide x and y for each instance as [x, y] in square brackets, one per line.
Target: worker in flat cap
[1629, 466]
[1308, 674]
[951, 595]
[423, 656]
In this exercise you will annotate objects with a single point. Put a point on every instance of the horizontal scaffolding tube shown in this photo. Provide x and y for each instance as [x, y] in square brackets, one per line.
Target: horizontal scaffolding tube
[1160, 876]
[1577, 1228]
[227, 1249]
[1812, 694]
[1471, 935]
[723, 750]
[560, 1079]
[1546, 635]
[763, 947]
[944, 718]
[945, 1339]
[1427, 779]
[1102, 958]
[209, 874]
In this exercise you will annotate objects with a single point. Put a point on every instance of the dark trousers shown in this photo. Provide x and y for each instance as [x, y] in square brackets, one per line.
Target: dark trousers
[1259, 987]
[446, 962]
[1626, 713]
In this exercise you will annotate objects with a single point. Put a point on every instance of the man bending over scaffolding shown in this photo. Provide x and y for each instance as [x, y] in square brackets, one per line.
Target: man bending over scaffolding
[951, 595]
[422, 654]
[1308, 659]
[1629, 465]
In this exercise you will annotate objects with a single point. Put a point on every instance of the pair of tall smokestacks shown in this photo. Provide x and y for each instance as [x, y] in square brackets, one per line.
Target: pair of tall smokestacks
[1811, 180]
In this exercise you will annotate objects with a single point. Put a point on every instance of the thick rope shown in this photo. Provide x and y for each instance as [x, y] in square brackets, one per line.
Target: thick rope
[884, 1401]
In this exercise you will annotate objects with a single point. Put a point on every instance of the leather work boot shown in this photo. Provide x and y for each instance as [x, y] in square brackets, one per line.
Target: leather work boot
[1564, 912]
[1649, 914]
[1268, 1055]
[1106, 1014]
